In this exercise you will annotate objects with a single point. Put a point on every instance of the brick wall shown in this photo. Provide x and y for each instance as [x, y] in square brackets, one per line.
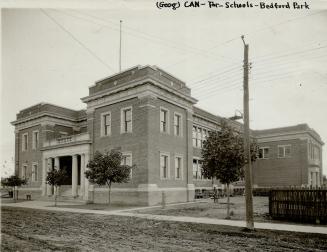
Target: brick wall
[167, 143]
[30, 155]
[287, 171]
[135, 142]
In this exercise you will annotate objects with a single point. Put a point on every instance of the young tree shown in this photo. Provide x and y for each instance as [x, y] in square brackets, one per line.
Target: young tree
[223, 157]
[56, 178]
[13, 182]
[105, 169]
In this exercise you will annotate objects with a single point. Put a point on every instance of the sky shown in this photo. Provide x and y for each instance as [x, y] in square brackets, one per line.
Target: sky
[54, 54]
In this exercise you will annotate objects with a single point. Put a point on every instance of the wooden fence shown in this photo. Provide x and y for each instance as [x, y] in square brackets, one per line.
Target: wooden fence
[299, 204]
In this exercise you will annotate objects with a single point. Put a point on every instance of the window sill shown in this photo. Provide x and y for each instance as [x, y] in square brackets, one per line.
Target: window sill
[103, 136]
[127, 132]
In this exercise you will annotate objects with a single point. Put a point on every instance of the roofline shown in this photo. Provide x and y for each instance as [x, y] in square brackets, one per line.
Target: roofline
[46, 113]
[113, 75]
[139, 67]
[138, 82]
[290, 133]
[48, 103]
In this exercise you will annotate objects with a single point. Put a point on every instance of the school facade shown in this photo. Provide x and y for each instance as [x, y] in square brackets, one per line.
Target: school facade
[151, 117]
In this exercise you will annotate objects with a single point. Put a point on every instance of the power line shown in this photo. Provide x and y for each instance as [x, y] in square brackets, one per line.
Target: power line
[154, 36]
[286, 62]
[283, 22]
[210, 73]
[224, 83]
[301, 48]
[139, 35]
[290, 54]
[233, 69]
[256, 31]
[76, 40]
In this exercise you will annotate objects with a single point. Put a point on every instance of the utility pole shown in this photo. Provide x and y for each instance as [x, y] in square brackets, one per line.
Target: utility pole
[120, 24]
[247, 143]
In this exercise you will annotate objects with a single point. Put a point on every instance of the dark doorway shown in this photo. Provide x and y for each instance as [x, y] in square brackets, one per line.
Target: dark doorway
[66, 165]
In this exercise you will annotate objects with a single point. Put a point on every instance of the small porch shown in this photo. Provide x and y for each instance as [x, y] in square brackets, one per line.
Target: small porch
[70, 154]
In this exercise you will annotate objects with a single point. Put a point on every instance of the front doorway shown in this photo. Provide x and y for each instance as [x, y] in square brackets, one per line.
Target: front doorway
[65, 163]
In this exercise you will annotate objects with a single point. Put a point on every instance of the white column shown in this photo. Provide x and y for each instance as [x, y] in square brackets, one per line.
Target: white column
[314, 179]
[82, 175]
[44, 176]
[74, 175]
[56, 163]
[49, 167]
[86, 184]
[318, 179]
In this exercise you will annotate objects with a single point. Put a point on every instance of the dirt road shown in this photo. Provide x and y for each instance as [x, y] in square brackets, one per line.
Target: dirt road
[36, 230]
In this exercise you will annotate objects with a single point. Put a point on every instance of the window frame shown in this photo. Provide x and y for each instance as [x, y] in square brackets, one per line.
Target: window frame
[167, 131]
[180, 126]
[197, 168]
[34, 171]
[35, 144]
[24, 171]
[103, 124]
[181, 170]
[25, 143]
[263, 153]
[194, 135]
[166, 154]
[123, 121]
[125, 154]
[284, 151]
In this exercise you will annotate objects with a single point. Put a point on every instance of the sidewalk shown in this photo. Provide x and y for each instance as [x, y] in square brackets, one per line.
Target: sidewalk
[259, 225]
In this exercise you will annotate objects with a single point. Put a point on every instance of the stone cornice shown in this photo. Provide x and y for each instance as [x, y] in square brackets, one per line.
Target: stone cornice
[139, 91]
[47, 120]
[47, 114]
[141, 81]
[59, 146]
[287, 136]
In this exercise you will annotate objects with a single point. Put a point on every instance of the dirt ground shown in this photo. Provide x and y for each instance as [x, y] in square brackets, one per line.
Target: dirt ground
[37, 230]
[218, 211]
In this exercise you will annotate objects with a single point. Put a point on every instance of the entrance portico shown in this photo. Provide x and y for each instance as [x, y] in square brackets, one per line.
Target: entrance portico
[73, 159]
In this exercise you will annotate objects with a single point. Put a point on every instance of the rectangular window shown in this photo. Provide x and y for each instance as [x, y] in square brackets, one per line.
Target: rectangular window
[35, 139]
[164, 166]
[178, 167]
[106, 124]
[204, 136]
[199, 135]
[34, 172]
[284, 151]
[263, 153]
[126, 120]
[194, 130]
[197, 169]
[177, 124]
[199, 138]
[24, 141]
[127, 160]
[24, 171]
[164, 120]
